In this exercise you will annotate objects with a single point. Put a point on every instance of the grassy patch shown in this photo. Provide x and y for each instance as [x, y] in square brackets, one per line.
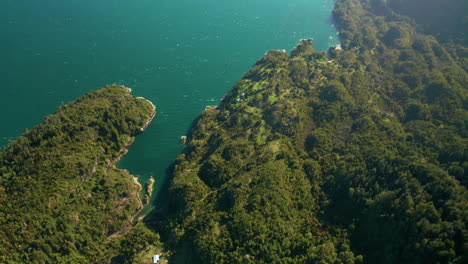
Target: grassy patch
[272, 99]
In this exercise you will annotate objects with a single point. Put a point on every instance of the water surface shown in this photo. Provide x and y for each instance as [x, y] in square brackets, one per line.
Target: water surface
[180, 54]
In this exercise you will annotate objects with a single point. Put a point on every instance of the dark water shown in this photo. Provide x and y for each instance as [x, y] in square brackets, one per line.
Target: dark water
[180, 54]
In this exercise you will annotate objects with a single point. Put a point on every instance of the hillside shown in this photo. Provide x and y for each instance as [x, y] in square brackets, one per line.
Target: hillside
[60, 195]
[447, 20]
[356, 158]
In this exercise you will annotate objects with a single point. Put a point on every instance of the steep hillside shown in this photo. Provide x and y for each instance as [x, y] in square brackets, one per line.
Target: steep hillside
[60, 195]
[446, 19]
[361, 157]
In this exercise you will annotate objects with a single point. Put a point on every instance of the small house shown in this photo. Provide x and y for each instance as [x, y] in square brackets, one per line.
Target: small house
[155, 259]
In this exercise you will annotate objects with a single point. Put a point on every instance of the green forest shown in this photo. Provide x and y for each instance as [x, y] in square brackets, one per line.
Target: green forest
[355, 155]
[61, 197]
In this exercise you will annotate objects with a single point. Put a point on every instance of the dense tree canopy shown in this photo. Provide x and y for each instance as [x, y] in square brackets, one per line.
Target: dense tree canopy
[60, 194]
[361, 157]
[355, 156]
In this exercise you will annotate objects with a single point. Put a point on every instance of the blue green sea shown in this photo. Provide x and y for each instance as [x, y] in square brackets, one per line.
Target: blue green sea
[180, 54]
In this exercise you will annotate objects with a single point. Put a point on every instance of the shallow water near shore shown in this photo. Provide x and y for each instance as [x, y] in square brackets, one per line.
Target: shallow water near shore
[182, 55]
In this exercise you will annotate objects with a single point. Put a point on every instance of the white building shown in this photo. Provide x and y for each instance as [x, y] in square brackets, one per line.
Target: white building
[155, 259]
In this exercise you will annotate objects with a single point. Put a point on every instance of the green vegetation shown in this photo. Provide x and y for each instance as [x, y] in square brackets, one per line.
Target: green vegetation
[358, 160]
[137, 246]
[358, 157]
[447, 20]
[60, 195]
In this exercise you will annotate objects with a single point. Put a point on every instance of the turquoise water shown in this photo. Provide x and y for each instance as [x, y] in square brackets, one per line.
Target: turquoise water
[180, 54]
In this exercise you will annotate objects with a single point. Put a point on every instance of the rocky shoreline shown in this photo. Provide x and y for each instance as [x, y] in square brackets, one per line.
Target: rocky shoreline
[111, 164]
[153, 114]
[148, 190]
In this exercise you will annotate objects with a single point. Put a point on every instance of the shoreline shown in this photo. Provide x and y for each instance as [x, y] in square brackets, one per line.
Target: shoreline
[153, 114]
[137, 186]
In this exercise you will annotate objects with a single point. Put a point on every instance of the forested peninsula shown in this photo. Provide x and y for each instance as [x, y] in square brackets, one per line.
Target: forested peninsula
[360, 156]
[61, 197]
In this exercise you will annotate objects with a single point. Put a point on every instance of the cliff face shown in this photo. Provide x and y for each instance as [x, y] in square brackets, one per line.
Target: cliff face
[61, 196]
[361, 157]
